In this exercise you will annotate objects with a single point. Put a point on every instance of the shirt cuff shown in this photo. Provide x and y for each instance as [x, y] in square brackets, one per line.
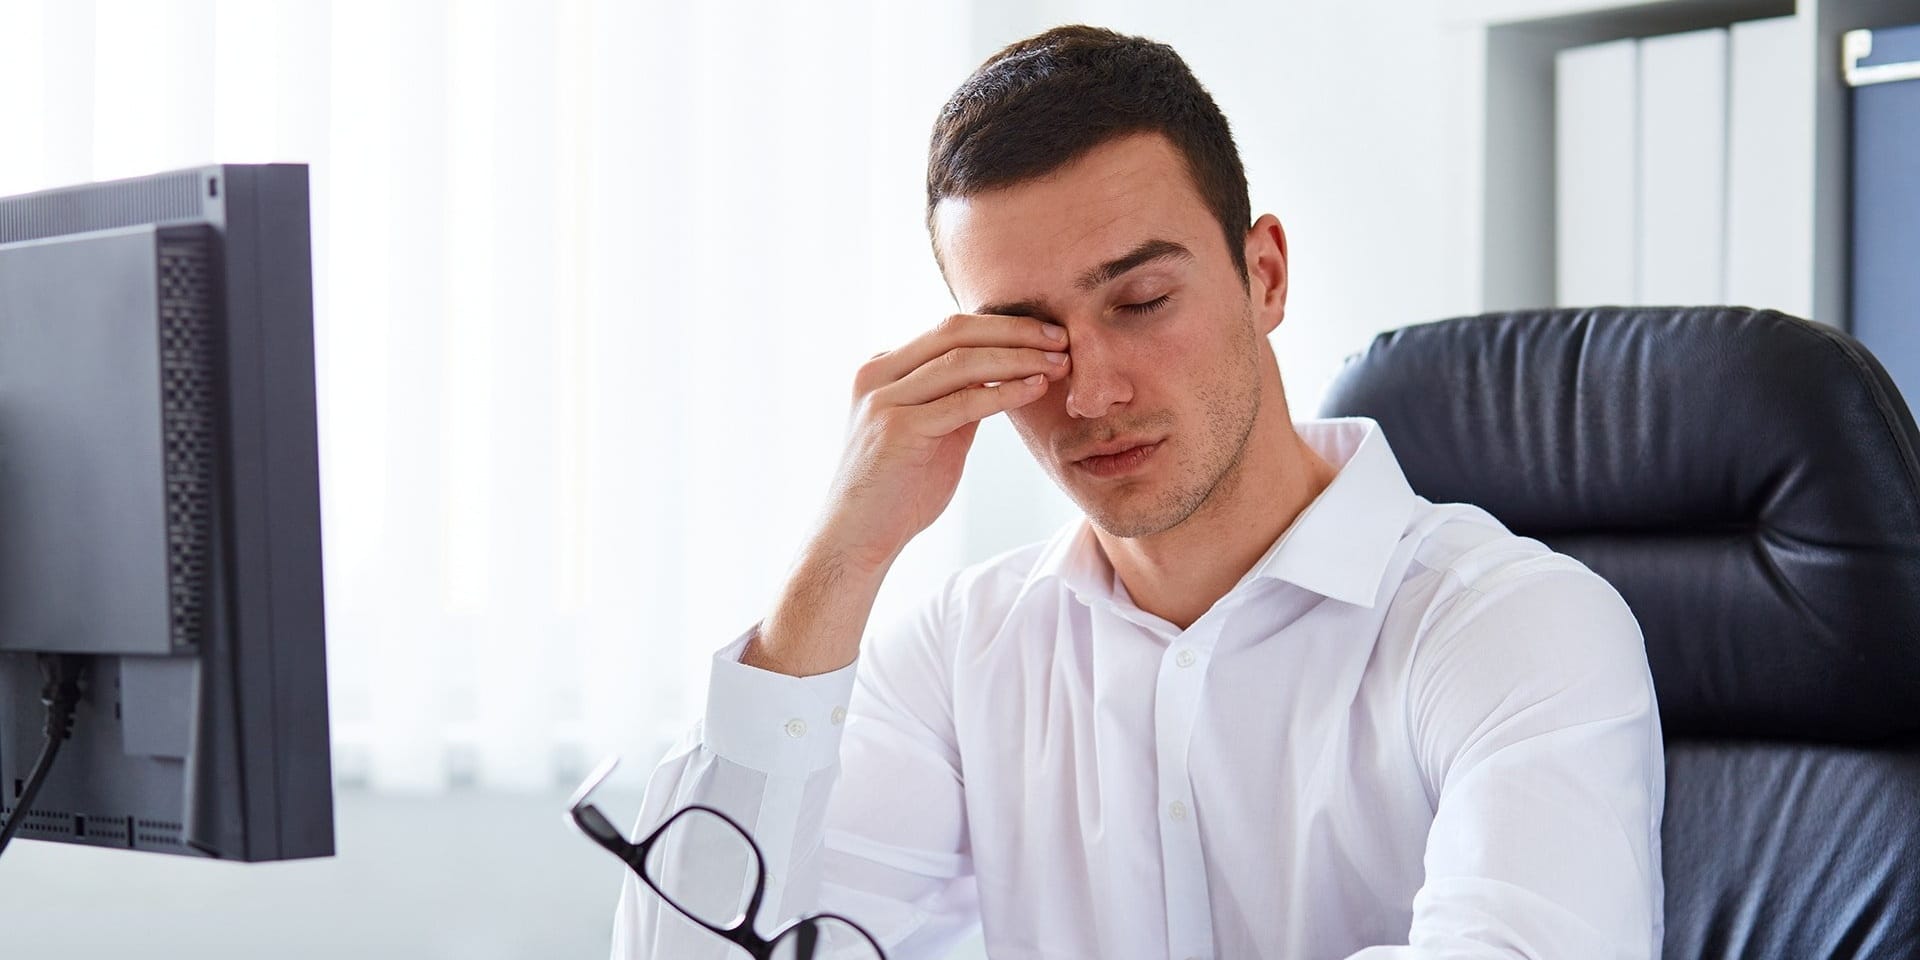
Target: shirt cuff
[777, 724]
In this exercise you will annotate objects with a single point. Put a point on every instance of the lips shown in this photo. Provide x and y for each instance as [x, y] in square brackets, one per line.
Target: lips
[1122, 462]
[1112, 447]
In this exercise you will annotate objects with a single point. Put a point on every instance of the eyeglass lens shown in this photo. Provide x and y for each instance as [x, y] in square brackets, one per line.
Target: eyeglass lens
[703, 866]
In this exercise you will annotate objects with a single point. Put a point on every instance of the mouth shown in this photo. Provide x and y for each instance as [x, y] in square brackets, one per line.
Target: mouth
[1120, 460]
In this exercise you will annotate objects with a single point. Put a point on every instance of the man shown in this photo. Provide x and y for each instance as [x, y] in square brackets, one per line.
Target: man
[1263, 701]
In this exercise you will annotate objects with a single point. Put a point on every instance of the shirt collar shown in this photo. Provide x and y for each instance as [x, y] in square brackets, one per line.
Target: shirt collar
[1338, 547]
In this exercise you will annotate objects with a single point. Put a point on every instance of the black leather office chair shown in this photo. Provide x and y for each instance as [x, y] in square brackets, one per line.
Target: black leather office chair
[1749, 482]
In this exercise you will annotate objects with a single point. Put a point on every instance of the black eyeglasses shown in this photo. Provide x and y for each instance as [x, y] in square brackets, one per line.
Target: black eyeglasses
[707, 867]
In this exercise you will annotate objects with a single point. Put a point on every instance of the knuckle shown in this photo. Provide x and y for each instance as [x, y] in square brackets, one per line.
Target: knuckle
[884, 420]
[868, 376]
[950, 324]
[969, 403]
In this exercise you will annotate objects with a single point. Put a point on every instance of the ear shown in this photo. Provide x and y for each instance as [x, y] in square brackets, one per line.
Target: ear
[1266, 253]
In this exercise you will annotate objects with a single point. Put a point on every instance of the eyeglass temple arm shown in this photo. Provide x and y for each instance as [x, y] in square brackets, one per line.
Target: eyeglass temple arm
[602, 831]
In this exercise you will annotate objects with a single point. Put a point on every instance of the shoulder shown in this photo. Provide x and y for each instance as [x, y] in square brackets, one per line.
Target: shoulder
[985, 591]
[1467, 548]
[997, 580]
[1472, 559]
[978, 593]
[1507, 606]
[1517, 641]
[907, 662]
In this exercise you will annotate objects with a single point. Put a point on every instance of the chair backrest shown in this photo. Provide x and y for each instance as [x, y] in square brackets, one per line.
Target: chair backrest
[1749, 482]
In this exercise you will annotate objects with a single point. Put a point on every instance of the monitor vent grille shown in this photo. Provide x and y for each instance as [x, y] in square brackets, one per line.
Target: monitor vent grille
[104, 831]
[187, 412]
[104, 206]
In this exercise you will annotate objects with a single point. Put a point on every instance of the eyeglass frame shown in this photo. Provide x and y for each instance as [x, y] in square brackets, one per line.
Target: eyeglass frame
[740, 932]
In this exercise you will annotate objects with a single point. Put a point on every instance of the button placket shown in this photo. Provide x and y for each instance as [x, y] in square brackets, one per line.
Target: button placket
[1176, 709]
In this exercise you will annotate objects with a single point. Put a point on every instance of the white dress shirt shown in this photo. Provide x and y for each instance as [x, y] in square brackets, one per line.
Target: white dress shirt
[1404, 734]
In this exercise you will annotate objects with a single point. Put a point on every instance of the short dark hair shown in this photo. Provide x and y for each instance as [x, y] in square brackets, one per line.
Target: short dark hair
[1042, 102]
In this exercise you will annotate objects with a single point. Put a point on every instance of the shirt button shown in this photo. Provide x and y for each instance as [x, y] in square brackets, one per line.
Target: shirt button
[1185, 658]
[839, 715]
[1177, 810]
[796, 727]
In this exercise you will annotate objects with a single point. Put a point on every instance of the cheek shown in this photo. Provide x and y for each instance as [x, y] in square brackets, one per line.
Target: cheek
[1189, 364]
[1039, 424]
[1027, 421]
[1177, 353]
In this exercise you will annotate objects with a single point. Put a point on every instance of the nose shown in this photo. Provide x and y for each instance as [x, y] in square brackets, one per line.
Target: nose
[1095, 383]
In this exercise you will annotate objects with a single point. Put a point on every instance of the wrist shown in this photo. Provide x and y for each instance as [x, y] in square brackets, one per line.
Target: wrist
[816, 625]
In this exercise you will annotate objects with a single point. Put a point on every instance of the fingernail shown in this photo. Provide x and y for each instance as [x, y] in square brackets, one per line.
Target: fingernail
[1034, 380]
[1057, 357]
[1054, 331]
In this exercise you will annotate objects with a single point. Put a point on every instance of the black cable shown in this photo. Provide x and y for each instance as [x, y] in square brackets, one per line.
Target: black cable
[61, 694]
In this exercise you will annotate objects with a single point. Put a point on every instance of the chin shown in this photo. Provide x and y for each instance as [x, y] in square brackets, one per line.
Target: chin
[1139, 513]
[1131, 526]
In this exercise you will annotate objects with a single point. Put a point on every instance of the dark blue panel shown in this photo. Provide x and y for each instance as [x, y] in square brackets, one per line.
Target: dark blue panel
[1893, 45]
[1886, 212]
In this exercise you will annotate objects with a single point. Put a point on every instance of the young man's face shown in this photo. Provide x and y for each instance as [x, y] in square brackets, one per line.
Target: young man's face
[1184, 377]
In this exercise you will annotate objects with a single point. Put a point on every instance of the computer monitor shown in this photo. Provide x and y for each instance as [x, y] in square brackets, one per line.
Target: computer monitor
[160, 516]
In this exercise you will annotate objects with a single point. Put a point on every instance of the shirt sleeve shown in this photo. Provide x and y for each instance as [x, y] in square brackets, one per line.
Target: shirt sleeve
[1532, 710]
[848, 781]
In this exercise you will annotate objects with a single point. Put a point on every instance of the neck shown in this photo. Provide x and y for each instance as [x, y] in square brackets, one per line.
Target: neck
[1179, 573]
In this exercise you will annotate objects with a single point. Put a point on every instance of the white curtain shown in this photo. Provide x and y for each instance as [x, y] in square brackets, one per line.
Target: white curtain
[592, 278]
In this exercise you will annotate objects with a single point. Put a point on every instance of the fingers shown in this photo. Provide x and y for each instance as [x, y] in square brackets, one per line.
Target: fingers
[960, 330]
[967, 368]
[971, 404]
[963, 367]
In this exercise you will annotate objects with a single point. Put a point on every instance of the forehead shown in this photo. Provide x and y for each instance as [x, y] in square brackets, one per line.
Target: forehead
[1032, 238]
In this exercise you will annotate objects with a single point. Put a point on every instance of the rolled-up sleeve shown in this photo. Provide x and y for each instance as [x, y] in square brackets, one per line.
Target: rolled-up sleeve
[848, 782]
[1531, 708]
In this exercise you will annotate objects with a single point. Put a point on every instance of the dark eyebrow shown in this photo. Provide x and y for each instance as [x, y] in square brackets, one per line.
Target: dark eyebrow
[1147, 252]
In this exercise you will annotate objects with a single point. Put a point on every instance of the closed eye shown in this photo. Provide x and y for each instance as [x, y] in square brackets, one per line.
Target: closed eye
[1148, 307]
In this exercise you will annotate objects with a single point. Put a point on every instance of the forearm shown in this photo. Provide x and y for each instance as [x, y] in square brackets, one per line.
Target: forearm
[817, 622]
